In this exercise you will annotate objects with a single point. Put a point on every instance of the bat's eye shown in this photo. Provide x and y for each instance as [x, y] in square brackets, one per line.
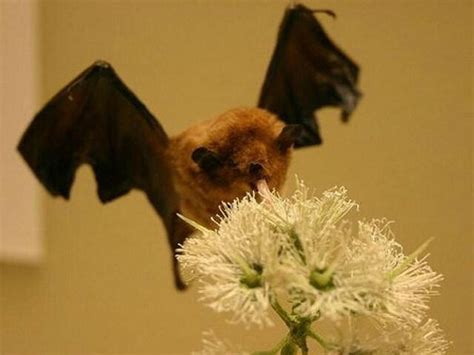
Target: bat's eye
[206, 159]
[256, 170]
[231, 163]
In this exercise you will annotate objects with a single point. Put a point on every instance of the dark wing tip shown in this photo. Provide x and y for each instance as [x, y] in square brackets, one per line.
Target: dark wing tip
[102, 63]
[99, 68]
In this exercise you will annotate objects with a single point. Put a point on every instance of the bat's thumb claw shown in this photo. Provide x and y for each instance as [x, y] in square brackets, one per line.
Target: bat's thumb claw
[102, 63]
[180, 285]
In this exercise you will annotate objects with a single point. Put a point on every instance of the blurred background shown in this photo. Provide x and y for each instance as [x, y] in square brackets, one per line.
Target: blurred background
[78, 277]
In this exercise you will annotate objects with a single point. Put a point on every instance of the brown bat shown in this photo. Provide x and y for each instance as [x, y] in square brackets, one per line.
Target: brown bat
[97, 120]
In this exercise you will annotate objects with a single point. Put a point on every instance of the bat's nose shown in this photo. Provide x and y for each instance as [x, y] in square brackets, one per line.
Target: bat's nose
[256, 170]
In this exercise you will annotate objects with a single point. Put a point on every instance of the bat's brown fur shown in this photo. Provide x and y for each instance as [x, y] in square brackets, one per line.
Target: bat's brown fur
[240, 137]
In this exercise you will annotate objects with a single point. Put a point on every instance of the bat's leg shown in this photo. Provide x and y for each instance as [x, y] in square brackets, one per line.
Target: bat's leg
[180, 230]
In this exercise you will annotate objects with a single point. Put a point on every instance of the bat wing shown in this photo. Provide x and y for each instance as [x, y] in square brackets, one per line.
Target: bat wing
[97, 120]
[307, 71]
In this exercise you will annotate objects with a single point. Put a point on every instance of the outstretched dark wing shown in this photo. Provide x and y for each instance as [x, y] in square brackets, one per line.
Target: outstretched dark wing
[307, 71]
[97, 120]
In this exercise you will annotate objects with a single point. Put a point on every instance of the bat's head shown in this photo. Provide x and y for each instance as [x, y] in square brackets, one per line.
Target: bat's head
[243, 146]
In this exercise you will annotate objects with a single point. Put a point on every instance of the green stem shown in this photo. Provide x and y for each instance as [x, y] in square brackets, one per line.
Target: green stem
[319, 339]
[298, 245]
[304, 351]
[276, 349]
[299, 330]
[282, 313]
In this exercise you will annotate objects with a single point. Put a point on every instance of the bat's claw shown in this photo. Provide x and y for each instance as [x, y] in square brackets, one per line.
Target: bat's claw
[178, 281]
[102, 63]
[180, 285]
[325, 11]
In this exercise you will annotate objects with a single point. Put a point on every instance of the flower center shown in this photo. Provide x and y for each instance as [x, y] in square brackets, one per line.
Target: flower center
[252, 277]
[321, 279]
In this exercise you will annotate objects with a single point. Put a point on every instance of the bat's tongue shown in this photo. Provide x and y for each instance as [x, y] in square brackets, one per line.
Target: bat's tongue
[263, 189]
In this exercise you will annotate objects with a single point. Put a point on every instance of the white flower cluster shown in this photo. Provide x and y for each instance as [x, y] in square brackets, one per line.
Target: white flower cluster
[300, 249]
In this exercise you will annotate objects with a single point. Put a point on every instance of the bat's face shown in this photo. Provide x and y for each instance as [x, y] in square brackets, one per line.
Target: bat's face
[245, 146]
[231, 153]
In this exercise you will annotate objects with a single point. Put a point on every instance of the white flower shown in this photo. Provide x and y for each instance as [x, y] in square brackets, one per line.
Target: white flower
[423, 339]
[335, 273]
[402, 285]
[234, 263]
[215, 346]
[321, 282]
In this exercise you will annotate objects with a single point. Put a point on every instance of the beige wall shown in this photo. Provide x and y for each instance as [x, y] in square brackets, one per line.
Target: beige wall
[19, 91]
[105, 285]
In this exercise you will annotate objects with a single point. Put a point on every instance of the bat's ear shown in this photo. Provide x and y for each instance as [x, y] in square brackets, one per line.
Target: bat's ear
[288, 136]
[206, 159]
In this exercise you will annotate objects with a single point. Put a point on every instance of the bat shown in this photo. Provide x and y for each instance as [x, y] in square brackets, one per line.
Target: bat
[97, 120]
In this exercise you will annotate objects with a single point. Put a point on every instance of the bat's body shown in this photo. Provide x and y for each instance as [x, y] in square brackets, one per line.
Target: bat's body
[97, 120]
[238, 148]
